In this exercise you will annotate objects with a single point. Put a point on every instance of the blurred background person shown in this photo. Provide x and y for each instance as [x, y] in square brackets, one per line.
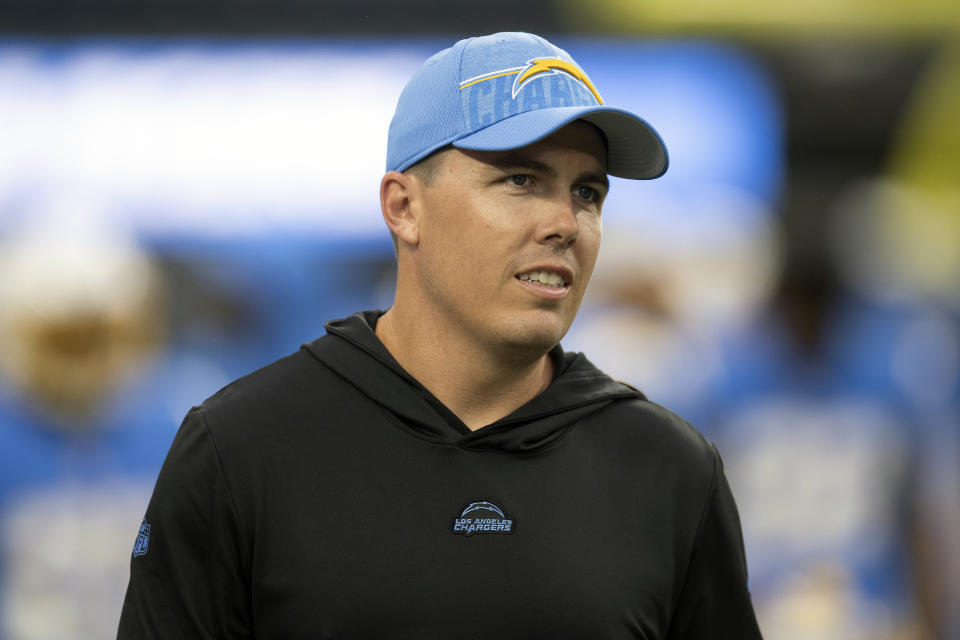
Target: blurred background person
[82, 431]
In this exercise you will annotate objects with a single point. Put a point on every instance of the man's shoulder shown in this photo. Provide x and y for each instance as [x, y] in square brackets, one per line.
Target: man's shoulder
[291, 384]
[640, 425]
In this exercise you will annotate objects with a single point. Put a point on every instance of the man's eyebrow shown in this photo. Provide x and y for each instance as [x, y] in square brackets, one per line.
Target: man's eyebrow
[596, 177]
[520, 161]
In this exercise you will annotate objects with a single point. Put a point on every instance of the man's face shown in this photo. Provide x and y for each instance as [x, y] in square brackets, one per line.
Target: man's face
[508, 239]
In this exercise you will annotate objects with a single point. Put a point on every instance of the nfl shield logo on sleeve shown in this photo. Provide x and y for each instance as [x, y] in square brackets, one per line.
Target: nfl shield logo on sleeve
[143, 540]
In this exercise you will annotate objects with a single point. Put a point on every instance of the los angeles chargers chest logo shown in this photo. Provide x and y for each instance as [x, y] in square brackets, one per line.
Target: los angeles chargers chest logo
[482, 516]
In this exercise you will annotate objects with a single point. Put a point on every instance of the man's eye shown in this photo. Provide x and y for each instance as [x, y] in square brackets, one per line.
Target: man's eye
[587, 193]
[520, 180]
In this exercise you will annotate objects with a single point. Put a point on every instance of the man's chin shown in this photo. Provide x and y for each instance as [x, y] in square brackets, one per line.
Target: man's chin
[534, 337]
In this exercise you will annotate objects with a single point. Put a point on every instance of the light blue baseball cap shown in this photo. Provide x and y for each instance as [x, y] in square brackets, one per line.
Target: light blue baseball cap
[505, 91]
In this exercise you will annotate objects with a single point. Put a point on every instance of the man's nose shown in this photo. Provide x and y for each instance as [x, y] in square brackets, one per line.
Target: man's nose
[559, 225]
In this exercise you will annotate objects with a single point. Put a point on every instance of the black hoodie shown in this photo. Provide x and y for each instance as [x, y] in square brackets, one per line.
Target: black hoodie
[330, 495]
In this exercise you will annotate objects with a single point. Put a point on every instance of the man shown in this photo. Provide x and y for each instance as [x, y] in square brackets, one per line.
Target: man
[445, 470]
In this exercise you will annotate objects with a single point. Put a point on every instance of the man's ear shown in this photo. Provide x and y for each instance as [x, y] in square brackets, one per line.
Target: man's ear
[397, 202]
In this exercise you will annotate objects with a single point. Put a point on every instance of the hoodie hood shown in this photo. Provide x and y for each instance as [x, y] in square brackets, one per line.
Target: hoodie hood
[352, 350]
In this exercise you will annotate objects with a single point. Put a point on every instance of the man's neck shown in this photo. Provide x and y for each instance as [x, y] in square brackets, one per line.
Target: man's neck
[477, 385]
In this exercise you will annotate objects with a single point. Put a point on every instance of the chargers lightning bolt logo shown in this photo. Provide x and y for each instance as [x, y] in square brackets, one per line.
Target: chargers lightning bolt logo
[537, 68]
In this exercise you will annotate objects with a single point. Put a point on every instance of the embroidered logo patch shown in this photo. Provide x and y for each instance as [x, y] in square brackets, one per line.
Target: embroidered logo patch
[482, 516]
[537, 68]
[143, 540]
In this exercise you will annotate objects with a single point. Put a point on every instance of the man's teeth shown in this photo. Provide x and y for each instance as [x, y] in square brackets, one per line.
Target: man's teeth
[544, 277]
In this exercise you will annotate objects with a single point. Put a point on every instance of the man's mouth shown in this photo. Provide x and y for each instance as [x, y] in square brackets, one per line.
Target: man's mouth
[548, 278]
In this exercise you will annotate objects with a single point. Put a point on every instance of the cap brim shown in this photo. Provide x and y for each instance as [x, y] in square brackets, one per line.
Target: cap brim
[635, 149]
